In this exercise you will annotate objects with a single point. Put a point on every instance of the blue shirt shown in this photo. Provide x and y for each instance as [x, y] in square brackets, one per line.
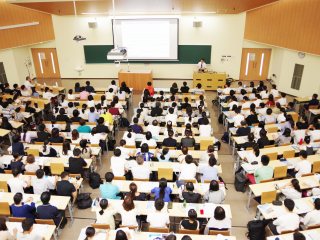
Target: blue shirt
[27, 211]
[166, 197]
[93, 116]
[84, 129]
[109, 191]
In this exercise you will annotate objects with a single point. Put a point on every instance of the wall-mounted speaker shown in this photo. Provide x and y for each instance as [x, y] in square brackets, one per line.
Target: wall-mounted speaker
[197, 23]
[92, 24]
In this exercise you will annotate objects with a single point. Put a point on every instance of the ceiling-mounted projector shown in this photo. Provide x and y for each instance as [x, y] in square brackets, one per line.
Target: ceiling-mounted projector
[117, 54]
[78, 38]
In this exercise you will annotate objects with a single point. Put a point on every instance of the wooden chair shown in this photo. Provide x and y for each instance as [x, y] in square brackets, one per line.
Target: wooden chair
[16, 219]
[307, 174]
[39, 143]
[267, 180]
[74, 175]
[222, 232]
[5, 209]
[190, 180]
[171, 148]
[101, 226]
[313, 226]
[269, 146]
[130, 146]
[289, 231]
[30, 173]
[285, 144]
[272, 156]
[4, 186]
[166, 173]
[280, 172]
[56, 144]
[45, 221]
[204, 144]
[56, 168]
[141, 179]
[186, 231]
[289, 154]
[130, 227]
[268, 197]
[119, 178]
[158, 230]
[34, 152]
[272, 129]
[8, 171]
[316, 167]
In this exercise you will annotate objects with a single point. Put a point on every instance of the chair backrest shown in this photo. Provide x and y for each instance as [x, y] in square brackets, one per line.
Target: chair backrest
[190, 180]
[268, 197]
[38, 143]
[289, 154]
[204, 144]
[222, 232]
[285, 144]
[288, 231]
[267, 180]
[307, 174]
[130, 227]
[269, 146]
[166, 173]
[16, 219]
[313, 107]
[130, 146]
[159, 230]
[30, 173]
[316, 167]
[272, 156]
[34, 152]
[3, 186]
[8, 171]
[313, 226]
[280, 172]
[56, 168]
[186, 231]
[171, 148]
[4, 209]
[119, 178]
[100, 226]
[272, 129]
[45, 221]
[141, 179]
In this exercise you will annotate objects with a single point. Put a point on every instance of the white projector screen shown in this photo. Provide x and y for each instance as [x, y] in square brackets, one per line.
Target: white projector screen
[147, 39]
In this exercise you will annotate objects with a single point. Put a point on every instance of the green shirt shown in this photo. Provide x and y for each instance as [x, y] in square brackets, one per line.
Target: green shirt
[84, 129]
[263, 173]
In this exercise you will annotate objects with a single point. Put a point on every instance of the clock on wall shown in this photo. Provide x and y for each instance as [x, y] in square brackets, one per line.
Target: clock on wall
[301, 55]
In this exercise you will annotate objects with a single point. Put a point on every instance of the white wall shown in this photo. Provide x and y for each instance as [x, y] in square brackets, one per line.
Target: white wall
[223, 32]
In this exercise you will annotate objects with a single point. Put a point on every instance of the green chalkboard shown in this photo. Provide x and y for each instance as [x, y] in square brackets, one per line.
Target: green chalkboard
[187, 54]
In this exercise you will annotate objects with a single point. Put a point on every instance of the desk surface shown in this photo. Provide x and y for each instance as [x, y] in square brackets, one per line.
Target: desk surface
[279, 150]
[309, 234]
[44, 230]
[4, 132]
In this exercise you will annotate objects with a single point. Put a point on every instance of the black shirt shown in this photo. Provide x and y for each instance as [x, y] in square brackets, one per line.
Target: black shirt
[65, 188]
[89, 89]
[75, 119]
[42, 136]
[140, 197]
[48, 212]
[76, 165]
[174, 90]
[263, 142]
[191, 197]
[18, 148]
[155, 112]
[243, 131]
[17, 165]
[187, 142]
[252, 118]
[62, 118]
[58, 139]
[102, 128]
[184, 89]
[169, 142]
[186, 224]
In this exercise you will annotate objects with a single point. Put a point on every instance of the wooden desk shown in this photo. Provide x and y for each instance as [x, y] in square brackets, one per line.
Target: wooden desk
[44, 230]
[209, 80]
[136, 79]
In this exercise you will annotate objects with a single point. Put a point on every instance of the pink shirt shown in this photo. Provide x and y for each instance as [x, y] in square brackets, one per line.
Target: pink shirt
[84, 95]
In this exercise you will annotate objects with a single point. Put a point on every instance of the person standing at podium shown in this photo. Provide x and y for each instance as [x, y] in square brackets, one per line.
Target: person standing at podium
[202, 65]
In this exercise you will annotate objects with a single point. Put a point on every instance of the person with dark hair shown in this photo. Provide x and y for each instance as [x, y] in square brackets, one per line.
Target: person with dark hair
[16, 162]
[209, 171]
[5, 234]
[145, 153]
[42, 184]
[28, 233]
[156, 111]
[163, 155]
[17, 184]
[65, 188]
[189, 195]
[174, 88]
[184, 152]
[123, 235]
[42, 133]
[219, 221]
[101, 127]
[83, 95]
[263, 140]
[83, 128]
[158, 218]
[238, 117]
[169, 141]
[128, 212]
[243, 130]
[150, 88]
[312, 218]
[104, 213]
[285, 137]
[287, 221]
[109, 190]
[55, 136]
[298, 236]
[62, 117]
[17, 146]
[77, 87]
[21, 209]
[86, 151]
[76, 163]
[188, 140]
[163, 191]
[31, 165]
[292, 190]
[264, 172]
[88, 87]
[140, 170]
[184, 88]
[136, 128]
[118, 163]
[90, 233]
[214, 194]
[314, 101]
[149, 140]
[135, 194]
[188, 170]
[191, 223]
[171, 237]
[270, 102]
[303, 166]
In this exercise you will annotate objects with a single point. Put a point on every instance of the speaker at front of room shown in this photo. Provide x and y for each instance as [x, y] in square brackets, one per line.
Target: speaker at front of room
[197, 23]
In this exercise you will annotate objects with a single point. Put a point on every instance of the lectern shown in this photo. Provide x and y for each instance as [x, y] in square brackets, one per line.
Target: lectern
[135, 79]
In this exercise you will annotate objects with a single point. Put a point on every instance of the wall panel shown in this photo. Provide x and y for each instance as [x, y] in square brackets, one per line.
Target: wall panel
[11, 15]
[292, 24]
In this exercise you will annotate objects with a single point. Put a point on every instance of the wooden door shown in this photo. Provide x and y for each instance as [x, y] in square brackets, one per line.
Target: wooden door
[46, 62]
[255, 63]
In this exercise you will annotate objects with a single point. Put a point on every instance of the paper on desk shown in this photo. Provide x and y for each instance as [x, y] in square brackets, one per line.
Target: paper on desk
[208, 209]
[301, 207]
[249, 168]
[314, 235]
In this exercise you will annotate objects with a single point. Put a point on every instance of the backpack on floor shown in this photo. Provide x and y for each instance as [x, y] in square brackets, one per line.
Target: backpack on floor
[124, 122]
[94, 180]
[240, 182]
[256, 230]
[84, 200]
[220, 118]
[225, 137]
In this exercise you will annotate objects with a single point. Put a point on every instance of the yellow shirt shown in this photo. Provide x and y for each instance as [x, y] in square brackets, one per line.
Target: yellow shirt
[107, 118]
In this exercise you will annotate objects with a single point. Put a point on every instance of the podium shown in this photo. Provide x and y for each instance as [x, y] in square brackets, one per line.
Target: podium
[135, 79]
[209, 80]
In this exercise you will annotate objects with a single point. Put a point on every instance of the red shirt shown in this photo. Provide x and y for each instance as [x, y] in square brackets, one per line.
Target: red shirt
[114, 111]
[150, 89]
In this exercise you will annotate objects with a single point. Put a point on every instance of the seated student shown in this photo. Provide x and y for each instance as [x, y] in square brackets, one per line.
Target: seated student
[109, 190]
[140, 170]
[21, 209]
[42, 184]
[188, 170]
[118, 163]
[66, 188]
[171, 116]
[205, 128]
[76, 163]
[243, 130]
[219, 221]
[249, 143]
[62, 117]
[48, 211]
[136, 128]
[5, 234]
[174, 88]
[284, 138]
[113, 85]
[185, 104]
[263, 109]
[83, 128]
[274, 91]
[77, 87]
[42, 134]
[144, 152]
[158, 218]
[83, 95]
[5, 124]
[55, 136]
[292, 190]
[290, 107]
[246, 104]
[314, 101]
[269, 118]
[287, 221]
[47, 151]
[312, 218]
[264, 172]
[154, 128]
[253, 156]
[135, 194]
[205, 155]
[88, 87]
[184, 88]
[214, 194]
[48, 93]
[234, 102]
[189, 195]
[86, 151]
[17, 146]
[157, 110]
[181, 157]
[303, 166]
[149, 140]
[16, 162]
[18, 115]
[209, 171]
[202, 118]
[191, 223]
[31, 165]
[169, 141]
[16, 183]
[109, 95]
[113, 110]
[150, 88]
[27, 231]
[238, 117]
[270, 102]
[163, 155]
[104, 213]
[188, 140]
[263, 140]
[93, 116]
[163, 191]
[101, 128]
[70, 95]
[283, 100]
[75, 116]
[129, 212]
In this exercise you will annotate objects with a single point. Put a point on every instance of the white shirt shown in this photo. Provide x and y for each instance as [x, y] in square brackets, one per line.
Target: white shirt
[31, 167]
[257, 102]
[219, 224]
[109, 95]
[246, 104]
[114, 87]
[28, 84]
[118, 166]
[48, 95]
[158, 219]
[291, 193]
[171, 117]
[202, 65]
[287, 222]
[130, 141]
[90, 103]
[155, 130]
[140, 171]
[298, 135]
[282, 101]
[129, 217]
[281, 118]
[237, 120]
[40, 185]
[314, 135]
[205, 130]
[71, 97]
[125, 153]
[230, 105]
[188, 171]
[95, 139]
[274, 92]
[106, 217]
[312, 218]
[16, 185]
[226, 91]
[269, 119]
[303, 167]
[151, 142]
